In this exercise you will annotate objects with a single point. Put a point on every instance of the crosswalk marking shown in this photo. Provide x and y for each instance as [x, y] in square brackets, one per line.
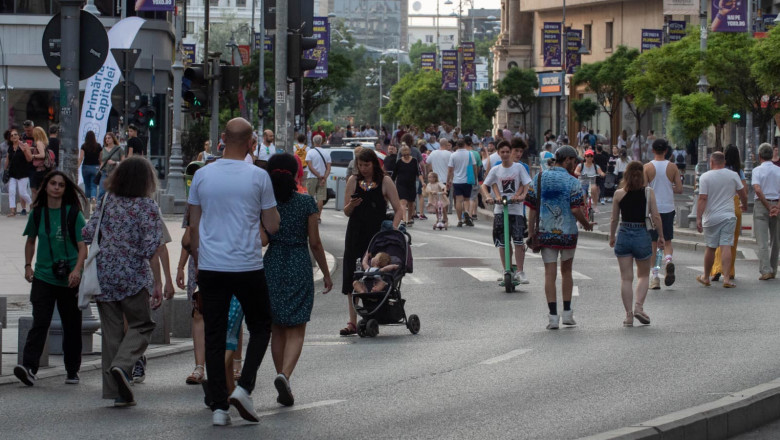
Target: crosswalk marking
[455, 237]
[482, 273]
[575, 291]
[749, 254]
[579, 276]
[506, 356]
[299, 407]
[411, 279]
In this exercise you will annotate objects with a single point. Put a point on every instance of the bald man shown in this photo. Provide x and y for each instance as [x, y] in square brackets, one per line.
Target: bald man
[266, 149]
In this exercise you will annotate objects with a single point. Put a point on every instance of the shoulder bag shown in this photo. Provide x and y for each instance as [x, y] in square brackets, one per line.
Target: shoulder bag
[99, 174]
[533, 242]
[90, 286]
[648, 215]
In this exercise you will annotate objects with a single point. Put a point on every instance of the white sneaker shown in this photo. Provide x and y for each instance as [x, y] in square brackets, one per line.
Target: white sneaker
[568, 317]
[521, 278]
[553, 325]
[243, 403]
[220, 417]
[655, 283]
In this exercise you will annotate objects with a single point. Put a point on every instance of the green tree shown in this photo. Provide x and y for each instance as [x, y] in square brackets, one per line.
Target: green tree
[418, 99]
[415, 53]
[321, 91]
[487, 103]
[765, 62]
[584, 109]
[696, 112]
[517, 87]
[327, 127]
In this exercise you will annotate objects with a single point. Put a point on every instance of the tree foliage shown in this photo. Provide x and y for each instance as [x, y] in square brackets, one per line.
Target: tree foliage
[584, 109]
[696, 112]
[517, 86]
[415, 53]
[418, 99]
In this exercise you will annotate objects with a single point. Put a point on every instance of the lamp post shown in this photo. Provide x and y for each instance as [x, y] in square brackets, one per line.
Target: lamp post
[703, 86]
[564, 38]
[377, 82]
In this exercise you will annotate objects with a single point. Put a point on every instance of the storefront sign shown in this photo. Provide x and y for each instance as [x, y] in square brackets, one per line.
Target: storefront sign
[449, 70]
[573, 43]
[729, 15]
[321, 27]
[551, 44]
[469, 69]
[428, 61]
[651, 38]
[269, 42]
[676, 31]
[550, 84]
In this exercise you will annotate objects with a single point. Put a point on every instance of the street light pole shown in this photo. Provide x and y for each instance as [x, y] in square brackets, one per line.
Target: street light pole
[381, 64]
[460, 67]
[564, 42]
[703, 86]
[175, 178]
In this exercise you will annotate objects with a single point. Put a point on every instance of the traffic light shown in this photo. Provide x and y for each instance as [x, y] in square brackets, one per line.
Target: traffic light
[230, 78]
[140, 117]
[263, 107]
[151, 116]
[736, 116]
[197, 94]
[297, 44]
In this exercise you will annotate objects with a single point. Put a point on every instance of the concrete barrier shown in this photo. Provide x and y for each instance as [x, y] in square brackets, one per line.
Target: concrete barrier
[163, 317]
[181, 327]
[3, 312]
[682, 216]
[25, 324]
[5, 207]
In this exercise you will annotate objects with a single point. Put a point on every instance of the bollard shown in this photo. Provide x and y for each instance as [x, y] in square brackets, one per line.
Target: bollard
[25, 324]
[89, 325]
[181, 327]
[682, 217]
[162, 317]
[3, 312]
[5, 206]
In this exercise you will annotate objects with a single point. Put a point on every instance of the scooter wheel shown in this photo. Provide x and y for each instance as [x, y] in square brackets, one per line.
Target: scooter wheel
[508, 285]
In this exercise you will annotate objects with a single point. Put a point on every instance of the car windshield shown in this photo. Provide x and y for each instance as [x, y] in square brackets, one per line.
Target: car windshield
[340, 158]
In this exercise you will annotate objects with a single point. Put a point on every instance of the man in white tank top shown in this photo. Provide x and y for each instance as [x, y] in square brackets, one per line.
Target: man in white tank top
[664, 178]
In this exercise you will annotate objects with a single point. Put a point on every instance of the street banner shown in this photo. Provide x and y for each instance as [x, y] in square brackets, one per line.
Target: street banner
[96, 105]
[246, 56]
[449, 70]
[468, 67]
[676, 31]
[550, 84]
[730, 17]
[651, 38]
[321, 27]
[551, 44]
[154, 5]
[681, 7]
[573, 43]
[188, 54]
[269, 42]
[428, 61]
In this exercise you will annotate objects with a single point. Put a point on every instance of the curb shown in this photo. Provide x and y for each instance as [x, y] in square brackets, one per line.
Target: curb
[724, 418]
[331, 260]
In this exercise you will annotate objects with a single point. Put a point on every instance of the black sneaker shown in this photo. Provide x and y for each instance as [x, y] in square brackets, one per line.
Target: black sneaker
[121, 403]
[24, 212]
[72, 379]
[283, 388]
[25, 375]
[467, 220]
[123, 384]
[139, 370]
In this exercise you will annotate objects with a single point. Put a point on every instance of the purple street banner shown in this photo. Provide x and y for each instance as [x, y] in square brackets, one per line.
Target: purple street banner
[269, 42]
[468, 67]
[428, 61]
[651, 38]
[676, 31]
[449, 70]
[573, 43]
[321, 28]
[154, 5]
[551, 44]
[729, 15]
[188, 54]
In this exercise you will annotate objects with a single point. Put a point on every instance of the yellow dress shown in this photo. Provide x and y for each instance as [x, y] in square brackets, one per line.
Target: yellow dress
[717, 268]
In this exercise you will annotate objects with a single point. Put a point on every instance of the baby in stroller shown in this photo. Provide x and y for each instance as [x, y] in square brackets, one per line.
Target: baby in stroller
[372, 266]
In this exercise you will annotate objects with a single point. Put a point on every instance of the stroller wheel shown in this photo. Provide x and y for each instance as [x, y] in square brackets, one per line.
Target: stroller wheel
[413, 324]
[361, 328]
[372, 328]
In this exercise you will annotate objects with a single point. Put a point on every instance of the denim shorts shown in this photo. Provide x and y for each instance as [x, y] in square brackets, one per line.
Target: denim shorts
[633, 240]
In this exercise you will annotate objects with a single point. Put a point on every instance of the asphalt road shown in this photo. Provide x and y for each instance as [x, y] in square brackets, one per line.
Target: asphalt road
[483, 365]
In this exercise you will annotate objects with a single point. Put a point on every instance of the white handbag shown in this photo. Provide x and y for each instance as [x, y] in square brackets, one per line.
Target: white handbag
[90, 286]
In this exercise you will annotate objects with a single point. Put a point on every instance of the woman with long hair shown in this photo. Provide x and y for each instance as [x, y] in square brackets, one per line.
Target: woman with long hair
[288, 269]
[131, 233]
[633, 244]
[365, 203]
[733, 163]
[40, 145]
[407, 174]
[18, 165]
[56, 224]
[110, 156]
[89, 161]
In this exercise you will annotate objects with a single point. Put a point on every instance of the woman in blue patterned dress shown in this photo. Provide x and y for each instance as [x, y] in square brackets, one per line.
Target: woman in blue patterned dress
[288, 270]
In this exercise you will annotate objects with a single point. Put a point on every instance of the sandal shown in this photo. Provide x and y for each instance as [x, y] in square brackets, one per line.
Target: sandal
[349, 330]
[703, 280]
[716, 277]
[237, 371]
[641, 316]
[729, 285]
[196, 377]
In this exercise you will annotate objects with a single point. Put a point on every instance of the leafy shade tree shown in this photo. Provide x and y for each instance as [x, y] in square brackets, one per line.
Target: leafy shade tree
[415, 53]
[327, 127]
[487, 103]
[249, 80]
[419, 100]
[518, 88]
[765, 65]
[696, 112]
[584, 109]
[321, 91]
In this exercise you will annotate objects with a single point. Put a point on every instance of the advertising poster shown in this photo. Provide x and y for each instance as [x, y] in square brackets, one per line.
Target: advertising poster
[551, 44]
[651, 38]
[550, 84]
[245, 53]
[573, 43]
[468, 66]
[676, 31]
[449, 70]
[154, 5]
[729, 15]
[188, 54]
[319, 53]
[269, 42]
[681, 7]
[428, 61]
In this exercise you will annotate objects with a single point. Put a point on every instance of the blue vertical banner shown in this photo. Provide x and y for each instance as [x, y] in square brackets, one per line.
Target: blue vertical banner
[321, 28]
[729, 15]
[188, 54]
[428, 61]
[268, 44]
[573, 43]
[468, 67]
[551, 44]
[651, 38]
[449, 70]
[676, 30]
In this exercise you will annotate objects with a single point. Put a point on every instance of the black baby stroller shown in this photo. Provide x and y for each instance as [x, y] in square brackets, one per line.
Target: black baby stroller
[386, 306]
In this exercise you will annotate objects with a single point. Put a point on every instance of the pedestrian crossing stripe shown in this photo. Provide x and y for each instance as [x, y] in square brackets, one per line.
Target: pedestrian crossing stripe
[482, 273]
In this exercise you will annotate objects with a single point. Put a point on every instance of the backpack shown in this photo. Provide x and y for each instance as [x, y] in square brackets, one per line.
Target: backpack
[48, 160]
[301, 153]
[70, 221]
[679, 158]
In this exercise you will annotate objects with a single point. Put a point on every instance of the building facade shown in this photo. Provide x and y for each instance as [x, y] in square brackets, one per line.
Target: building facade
[378, 25]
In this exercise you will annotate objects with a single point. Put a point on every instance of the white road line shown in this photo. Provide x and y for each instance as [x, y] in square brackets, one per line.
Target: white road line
[749, 254]
[299, 407]
[506, 357]
[411, 279]
[482, 273]
[697, 269]
[327, 343]
[455, 237]
[579, 276]
[575, 291]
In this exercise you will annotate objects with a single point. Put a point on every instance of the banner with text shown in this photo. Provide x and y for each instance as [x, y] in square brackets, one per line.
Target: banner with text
[731, 17]
[319, 53]
[551, 44]
[428, 61]
[573, 43]
[188, 54]
[676, 31]
[681, 7]
[269, 42]
[449, 70]
[468, 66]
[154, 5]
[651, 38]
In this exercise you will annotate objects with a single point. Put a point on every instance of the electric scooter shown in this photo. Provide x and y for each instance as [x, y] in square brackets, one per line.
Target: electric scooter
[509, 282]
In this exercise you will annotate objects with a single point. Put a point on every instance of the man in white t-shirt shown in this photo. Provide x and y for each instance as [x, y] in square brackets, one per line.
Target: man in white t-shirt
[510, 180]
[715, 214]
[458, 181]
[229, 201]
[267, 149]
[439, 160]
[766, 221]
[318, 170]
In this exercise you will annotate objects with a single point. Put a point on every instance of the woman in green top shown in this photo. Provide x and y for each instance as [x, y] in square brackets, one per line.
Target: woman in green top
[57, 223]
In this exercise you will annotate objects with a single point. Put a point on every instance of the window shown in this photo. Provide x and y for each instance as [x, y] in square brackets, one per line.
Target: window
[241, 3]
[429, 38]
[213, 2]
[587, 35]
[190, 27]
[608, 36]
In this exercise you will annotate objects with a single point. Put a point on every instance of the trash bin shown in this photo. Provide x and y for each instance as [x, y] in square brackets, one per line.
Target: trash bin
[189, 172]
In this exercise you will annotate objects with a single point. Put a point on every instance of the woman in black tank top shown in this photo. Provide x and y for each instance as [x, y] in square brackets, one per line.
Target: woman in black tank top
[632, 243]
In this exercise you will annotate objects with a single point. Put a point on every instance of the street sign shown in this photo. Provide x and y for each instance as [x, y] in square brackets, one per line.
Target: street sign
[93, 45]
[132, 56]
[118, 97]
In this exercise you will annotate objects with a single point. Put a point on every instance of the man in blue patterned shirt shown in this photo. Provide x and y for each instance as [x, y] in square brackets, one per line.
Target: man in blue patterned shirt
[559, 204]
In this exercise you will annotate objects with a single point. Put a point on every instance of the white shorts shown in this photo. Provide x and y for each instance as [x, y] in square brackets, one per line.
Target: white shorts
[550, 255]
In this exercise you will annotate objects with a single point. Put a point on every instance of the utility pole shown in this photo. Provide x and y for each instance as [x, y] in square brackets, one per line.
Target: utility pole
[69, 85]
[216, 86]
[664, 104]
[280, 59]
[749, 144]
[460, 67]
[175, 176]
[564, 43]
[261, 80]
[703, 85]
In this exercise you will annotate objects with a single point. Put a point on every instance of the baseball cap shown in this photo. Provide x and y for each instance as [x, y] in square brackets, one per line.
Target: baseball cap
[589, 153]
[564, 153]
